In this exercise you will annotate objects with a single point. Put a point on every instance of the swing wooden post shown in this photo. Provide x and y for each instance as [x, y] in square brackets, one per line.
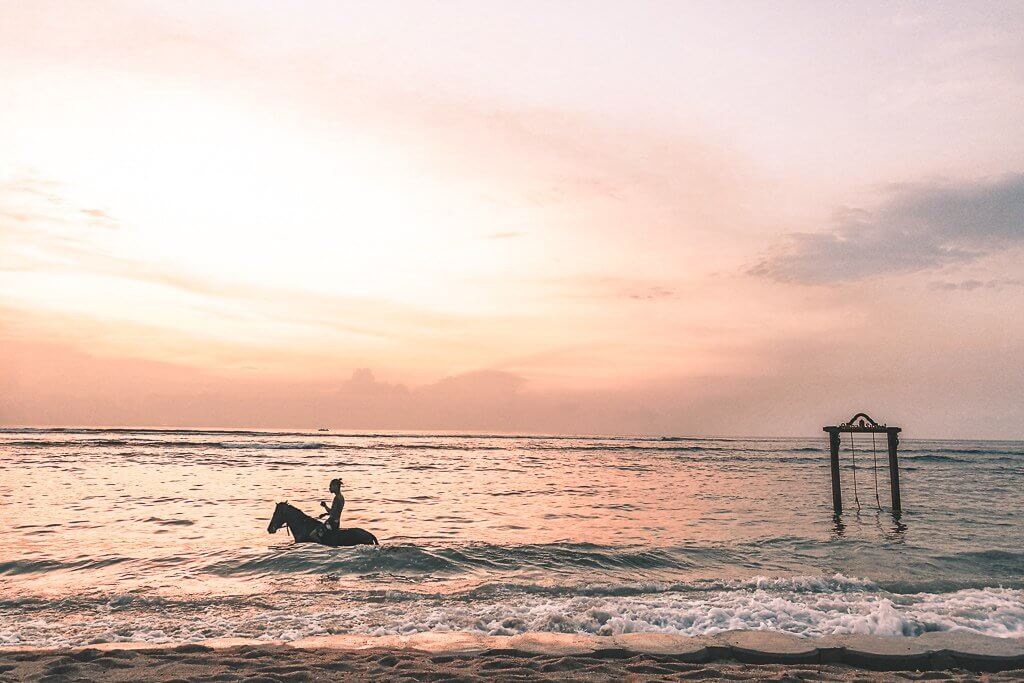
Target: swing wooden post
[894, 467]
[862, 423]
[837, 490]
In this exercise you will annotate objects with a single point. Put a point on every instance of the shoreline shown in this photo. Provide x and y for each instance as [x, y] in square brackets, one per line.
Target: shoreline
[279, 664]
[465, 656]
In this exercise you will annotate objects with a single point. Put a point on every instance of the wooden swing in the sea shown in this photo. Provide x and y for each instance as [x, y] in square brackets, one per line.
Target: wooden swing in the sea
[862, 423]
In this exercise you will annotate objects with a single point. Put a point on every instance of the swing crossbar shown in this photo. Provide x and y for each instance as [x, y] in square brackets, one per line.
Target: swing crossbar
[880, 429]
[858, 424]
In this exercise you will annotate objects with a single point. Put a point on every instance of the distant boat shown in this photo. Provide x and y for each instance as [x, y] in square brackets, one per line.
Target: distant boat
[323, 429]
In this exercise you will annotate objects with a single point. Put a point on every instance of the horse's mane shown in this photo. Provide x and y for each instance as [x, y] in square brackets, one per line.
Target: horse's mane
[292, 508]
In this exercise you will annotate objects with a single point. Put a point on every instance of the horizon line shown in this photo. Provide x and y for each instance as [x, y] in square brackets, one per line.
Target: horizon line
[315, 431]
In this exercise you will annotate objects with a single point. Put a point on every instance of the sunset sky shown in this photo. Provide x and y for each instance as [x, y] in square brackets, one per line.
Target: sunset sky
[667, 218]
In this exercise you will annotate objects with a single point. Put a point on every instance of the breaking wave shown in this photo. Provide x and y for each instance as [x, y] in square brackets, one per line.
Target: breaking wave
[761, 603]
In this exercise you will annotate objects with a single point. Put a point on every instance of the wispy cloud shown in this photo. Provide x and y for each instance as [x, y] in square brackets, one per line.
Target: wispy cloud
[28, 199]
[973, 284]
[653, 293]
[921, 226]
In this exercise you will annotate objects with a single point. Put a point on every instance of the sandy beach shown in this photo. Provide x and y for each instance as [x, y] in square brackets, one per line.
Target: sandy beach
[737, 655]
[283, 663]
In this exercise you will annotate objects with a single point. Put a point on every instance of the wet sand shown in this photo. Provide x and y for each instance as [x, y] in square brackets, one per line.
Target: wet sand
[265, 663]
[258, 663]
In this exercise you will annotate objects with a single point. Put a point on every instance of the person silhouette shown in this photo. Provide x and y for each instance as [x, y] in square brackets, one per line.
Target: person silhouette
[333, 513]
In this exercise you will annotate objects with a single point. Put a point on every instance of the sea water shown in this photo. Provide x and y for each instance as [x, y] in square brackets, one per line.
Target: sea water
[161, 536]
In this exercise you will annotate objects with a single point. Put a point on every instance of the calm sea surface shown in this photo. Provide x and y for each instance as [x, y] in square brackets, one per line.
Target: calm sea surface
[154, 535]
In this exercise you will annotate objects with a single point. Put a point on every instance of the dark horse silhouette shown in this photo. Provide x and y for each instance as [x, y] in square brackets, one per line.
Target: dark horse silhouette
[305, 529]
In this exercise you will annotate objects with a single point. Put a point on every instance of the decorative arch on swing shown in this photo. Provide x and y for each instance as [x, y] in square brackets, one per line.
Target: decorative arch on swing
[862, 423]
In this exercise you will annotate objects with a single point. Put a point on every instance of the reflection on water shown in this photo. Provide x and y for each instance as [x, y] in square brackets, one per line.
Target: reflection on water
[108, 520]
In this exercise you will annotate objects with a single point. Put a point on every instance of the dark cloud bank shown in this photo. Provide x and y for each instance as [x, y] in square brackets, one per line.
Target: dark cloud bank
[921, 226]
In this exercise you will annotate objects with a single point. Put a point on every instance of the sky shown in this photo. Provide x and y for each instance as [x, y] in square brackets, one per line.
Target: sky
[665, 218]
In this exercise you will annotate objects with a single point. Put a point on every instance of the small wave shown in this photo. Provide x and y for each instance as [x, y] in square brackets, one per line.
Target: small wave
[302, 560]
[993, 450]
[169, 522]
[995, 562]
[930, 457]
[16, 567]
[398, 559]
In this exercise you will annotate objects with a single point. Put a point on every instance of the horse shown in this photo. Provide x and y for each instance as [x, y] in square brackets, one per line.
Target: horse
[305, 529]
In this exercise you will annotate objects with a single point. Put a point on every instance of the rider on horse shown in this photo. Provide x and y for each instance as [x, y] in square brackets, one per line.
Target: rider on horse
[333, 513]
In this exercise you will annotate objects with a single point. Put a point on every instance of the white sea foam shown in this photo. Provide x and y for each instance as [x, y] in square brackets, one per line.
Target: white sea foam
[991, 611]
[801, 584]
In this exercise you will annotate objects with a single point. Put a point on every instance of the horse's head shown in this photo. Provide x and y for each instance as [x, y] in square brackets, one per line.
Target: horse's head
[278, 520]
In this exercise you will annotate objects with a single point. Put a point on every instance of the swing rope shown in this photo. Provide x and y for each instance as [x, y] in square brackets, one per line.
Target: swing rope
[874, 467]
[853, 453]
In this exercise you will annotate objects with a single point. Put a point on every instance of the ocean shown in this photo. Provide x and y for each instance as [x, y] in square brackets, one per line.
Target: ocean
[161, 536]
